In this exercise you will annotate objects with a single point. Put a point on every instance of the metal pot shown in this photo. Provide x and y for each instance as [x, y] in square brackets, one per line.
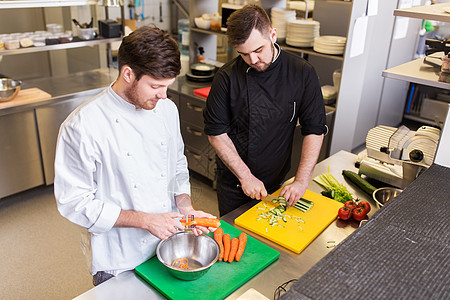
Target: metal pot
[200, 251]
[383, 195]
[9, 88]
[202, 69]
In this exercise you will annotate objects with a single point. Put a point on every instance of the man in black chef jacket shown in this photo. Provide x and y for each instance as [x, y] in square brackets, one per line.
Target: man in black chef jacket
[252, 110]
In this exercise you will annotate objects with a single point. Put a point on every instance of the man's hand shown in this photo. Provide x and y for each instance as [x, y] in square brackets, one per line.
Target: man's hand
[293, 192]
[162, 225]
[197, 230]
[254, 188]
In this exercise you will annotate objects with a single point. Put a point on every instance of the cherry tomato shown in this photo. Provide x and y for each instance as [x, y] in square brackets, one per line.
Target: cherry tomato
[358, 213]
[350, 204]
[344, 213]
[365, 205]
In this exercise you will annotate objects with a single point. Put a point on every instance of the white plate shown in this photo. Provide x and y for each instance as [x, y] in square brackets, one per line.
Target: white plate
[327, 51]
[331, 39]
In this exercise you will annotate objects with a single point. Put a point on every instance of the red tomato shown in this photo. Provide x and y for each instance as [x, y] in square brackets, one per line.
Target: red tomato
[350, 204]
[358, 213]
[365, 205]
[344, 213]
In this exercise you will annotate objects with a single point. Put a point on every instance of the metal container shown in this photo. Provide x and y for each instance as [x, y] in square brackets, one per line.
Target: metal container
[200, 251]
[9, 88]
[383, 195]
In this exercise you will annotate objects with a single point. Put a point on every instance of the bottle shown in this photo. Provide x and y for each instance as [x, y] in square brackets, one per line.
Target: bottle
[183, 36]
[201, 57]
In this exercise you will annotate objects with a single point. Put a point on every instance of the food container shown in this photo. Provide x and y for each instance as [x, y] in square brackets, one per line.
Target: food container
[9, 88]
[86, 33]
[65, 37]
[12, 44]
[55, 28]
[202, 23]
[26, 42]
[2, 44]
[200, 253]
[38, 40]
[52, 39]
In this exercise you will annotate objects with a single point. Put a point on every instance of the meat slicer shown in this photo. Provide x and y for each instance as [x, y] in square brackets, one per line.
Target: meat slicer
[396, 156]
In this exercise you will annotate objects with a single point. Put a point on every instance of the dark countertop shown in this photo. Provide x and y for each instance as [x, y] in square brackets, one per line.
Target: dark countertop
[403, 252]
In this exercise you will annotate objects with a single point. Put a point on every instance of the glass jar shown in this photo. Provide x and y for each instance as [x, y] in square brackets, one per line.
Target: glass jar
[183, 36]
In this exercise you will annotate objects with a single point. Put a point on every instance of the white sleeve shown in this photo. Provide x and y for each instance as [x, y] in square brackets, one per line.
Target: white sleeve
[75, 185]
[182, 173]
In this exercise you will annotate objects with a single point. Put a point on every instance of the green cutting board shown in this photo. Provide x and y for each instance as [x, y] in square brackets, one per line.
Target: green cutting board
[220, 281]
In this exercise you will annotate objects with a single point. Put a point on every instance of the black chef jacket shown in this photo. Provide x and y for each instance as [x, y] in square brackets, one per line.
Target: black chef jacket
[260, 110]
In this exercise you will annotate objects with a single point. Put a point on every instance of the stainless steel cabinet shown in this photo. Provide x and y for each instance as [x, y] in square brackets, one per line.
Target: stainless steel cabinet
[20, 160]
[198, 150]
[49, 118]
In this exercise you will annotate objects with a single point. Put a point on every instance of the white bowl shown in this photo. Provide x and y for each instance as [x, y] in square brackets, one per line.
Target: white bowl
[202, 23]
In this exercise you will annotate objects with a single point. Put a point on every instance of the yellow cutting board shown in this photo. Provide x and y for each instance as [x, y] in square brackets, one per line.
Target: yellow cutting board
[295, 234]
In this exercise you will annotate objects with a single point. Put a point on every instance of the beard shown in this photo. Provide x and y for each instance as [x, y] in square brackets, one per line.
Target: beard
[131, 94]
[262, 66]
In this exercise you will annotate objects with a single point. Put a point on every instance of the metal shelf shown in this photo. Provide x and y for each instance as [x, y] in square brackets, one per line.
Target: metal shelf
[75, 44]
[433, 12]
[283, 45]
[421, 120]
[44, 3]
[418, 72]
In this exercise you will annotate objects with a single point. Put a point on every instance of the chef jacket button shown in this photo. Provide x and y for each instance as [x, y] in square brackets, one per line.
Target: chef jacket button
[154, 110]
[144, 241]
[117, 120]
[128, 154]
[135, 186]
[163, 143]
[164, 205]
[163, 174]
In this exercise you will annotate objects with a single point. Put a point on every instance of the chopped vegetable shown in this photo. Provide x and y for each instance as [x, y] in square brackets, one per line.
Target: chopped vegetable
[181, 263]
[218, 236]
[226, 246]
[303, 205]
[241, 246]
[233, 249]
[329, 183]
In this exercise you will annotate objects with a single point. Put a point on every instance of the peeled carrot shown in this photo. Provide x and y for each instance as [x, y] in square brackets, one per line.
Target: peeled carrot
[241, 247]
[233, 249]
[218, 236]
[205, 222]
[226, 246]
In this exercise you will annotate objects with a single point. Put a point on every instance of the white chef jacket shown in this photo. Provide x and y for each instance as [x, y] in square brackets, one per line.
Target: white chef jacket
[111, 156]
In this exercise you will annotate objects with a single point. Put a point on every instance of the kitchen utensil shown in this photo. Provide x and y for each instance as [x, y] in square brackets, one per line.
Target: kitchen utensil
[198, 78]
[26, 96]
[86, 33]
[396, 156]
[295, 234]
[9, 88]
[200, 251]
[383, 195]
[220, 281]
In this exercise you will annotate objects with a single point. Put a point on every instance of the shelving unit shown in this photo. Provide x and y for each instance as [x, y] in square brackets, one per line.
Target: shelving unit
[74, 44]
[417, 71]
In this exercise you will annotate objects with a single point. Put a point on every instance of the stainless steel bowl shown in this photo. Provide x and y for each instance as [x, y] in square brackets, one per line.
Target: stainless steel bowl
[9, 88]
[201, 251]
[383, 195]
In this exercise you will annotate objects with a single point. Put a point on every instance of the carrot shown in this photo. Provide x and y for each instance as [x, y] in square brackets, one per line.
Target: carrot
[233, 249]
[241, 247]
[218, 236]
[205, 222]
[226, 246]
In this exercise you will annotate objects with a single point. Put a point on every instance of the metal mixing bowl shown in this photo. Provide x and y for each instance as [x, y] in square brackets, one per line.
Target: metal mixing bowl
[9, 88]
[201, 251]
[383, 195]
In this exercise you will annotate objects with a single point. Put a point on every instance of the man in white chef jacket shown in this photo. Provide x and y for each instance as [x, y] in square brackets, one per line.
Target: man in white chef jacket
[120, 169]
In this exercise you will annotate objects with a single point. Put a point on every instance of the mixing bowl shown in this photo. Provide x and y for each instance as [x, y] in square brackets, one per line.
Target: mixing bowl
[186, 256]
[383, 195]
[9, 88]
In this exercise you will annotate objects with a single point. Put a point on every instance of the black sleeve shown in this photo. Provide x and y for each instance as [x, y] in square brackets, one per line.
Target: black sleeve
[312, 108]
[217, 115]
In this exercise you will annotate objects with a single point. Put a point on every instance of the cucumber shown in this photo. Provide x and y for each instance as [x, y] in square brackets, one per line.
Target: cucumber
[359, 181]
[329, 194]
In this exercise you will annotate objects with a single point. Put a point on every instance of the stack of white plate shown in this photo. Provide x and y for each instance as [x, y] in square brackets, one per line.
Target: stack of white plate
[280, 17]
[301, 33]
[330, 44]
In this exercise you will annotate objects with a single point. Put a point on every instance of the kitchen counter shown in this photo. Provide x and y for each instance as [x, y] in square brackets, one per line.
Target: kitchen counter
[288, 266]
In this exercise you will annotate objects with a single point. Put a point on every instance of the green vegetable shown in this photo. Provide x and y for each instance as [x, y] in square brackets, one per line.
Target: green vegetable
[329, 194]
[329, 183]
[304, 205]
[359, 181]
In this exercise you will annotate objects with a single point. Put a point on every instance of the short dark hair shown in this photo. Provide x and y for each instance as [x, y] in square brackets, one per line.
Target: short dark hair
[241, 23]
[150, 51]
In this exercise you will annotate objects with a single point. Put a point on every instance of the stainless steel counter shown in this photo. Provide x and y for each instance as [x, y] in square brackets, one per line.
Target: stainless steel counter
[288, 266]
